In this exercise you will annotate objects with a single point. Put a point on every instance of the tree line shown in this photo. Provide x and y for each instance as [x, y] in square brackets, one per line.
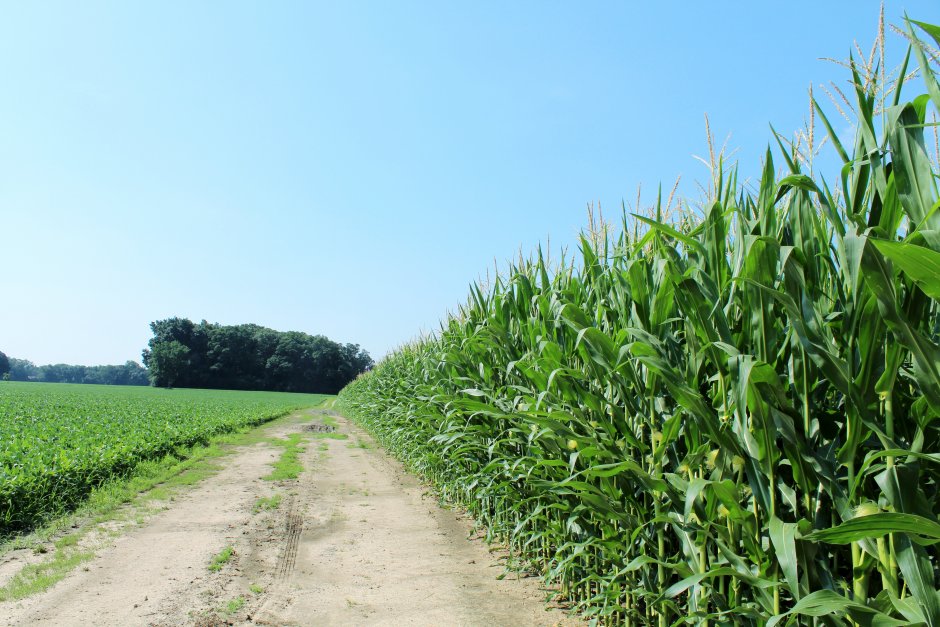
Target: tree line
[184, 354]
[130, 373]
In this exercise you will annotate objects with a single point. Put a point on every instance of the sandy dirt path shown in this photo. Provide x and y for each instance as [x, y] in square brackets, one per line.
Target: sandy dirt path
[355, 540]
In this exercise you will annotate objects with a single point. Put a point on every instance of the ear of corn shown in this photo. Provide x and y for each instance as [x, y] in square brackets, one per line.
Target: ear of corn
[728, 420]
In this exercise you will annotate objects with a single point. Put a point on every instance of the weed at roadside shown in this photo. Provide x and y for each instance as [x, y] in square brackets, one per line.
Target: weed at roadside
[288, 466]
[267, 503]
[221, 559]
[38, 577]
[234, 605]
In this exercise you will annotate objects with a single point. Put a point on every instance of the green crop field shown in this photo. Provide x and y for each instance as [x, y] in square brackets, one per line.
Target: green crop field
[726, 418]
[60, 441]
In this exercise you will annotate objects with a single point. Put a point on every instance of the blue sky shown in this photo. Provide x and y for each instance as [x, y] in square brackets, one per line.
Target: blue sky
[349, 168]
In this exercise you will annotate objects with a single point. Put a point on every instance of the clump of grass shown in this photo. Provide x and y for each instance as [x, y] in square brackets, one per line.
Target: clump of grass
[222, 558]
[234, 605]
[288, 466]
[35, 578]
[267, 503]
[68, 540]
[255, 588]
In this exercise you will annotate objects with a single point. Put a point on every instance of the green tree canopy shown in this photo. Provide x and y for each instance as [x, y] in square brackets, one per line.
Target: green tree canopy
[168, 362]
[130, 373]
[249, 357]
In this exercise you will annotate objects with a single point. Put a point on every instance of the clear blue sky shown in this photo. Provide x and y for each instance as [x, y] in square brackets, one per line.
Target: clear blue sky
[349, 168]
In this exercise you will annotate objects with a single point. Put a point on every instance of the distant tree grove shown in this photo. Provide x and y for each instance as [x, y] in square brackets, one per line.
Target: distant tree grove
[249, 357]
[130, 373]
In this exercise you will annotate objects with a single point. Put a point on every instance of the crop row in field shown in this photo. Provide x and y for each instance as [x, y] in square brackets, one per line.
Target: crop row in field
[60, 441]
[731, 419]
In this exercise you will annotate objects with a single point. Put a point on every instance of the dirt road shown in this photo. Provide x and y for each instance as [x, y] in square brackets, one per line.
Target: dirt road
[353, 541]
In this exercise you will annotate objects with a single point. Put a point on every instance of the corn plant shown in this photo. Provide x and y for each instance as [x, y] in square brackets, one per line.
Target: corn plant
[726, 420]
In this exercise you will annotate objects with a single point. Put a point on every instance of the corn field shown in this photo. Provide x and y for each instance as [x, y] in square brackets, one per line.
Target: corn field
[721, 419]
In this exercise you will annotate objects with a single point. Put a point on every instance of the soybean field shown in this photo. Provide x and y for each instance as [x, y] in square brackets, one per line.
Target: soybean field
[59, 441]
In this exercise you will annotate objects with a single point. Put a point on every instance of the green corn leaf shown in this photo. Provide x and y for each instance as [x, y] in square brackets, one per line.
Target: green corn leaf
[795, 181]
[921, 264]
[692, 243]
[826, 602]
[783, 536]
[917, 569]
[909, 609]
[931, 29]
[926, 354]
[473, 392]
[681, 586]
[599, 346]
[933, 88]
[832, 134]
[877, 525]
[912, 169]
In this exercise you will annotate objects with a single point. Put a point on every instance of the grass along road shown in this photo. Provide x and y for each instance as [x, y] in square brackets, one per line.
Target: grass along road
[351, 540]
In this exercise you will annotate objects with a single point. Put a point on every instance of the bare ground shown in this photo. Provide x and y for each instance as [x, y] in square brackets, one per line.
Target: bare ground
[355, 541]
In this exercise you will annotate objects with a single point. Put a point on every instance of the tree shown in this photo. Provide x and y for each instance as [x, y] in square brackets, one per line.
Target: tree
[24, 370]
[168, 363]
[132, 373]
[252, 357]
[62, 373]
[4, 365]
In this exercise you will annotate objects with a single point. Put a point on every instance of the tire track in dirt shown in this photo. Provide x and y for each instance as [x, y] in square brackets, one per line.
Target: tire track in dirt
[375, 549]
[292, 530]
